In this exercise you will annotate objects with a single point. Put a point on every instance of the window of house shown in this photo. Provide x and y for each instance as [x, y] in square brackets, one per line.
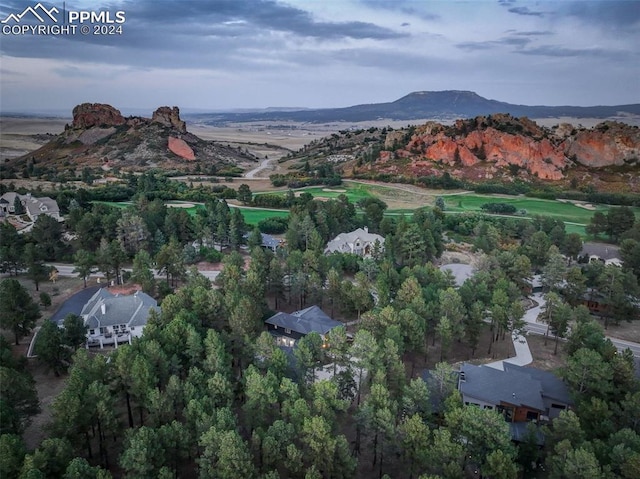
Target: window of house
[133, 328]
[488, 407]
[288, 331]
[92, 331]
[557, 406]
[103, 330]
[532, 416]
[508, 414]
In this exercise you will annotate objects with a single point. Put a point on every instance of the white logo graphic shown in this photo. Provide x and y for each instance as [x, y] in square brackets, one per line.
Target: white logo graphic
[34, 11]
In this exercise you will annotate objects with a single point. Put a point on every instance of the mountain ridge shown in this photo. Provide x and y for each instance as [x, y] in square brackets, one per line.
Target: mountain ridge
[444, 105]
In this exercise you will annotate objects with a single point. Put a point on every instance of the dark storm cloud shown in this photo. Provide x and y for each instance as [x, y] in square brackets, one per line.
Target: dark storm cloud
[186, 29]
[559, 51]
[409, 7]
[526, 11]
[535, 33]
[266, 14]
[517, 42]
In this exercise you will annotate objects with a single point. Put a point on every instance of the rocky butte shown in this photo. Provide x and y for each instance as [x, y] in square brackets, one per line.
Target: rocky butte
[100, 136]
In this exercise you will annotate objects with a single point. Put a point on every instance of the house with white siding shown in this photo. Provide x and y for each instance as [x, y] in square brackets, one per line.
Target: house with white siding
[113, 318]
[359, 242]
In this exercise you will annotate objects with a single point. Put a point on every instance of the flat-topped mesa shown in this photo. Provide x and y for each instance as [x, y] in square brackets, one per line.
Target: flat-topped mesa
[170, 117]
[87, 115]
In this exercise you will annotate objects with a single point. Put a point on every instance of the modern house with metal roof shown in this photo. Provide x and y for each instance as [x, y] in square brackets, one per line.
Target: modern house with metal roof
[359, 242]
[520, 393]
[113, 318]
[289, 327]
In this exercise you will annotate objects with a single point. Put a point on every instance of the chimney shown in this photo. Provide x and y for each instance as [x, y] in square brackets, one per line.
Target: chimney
[366, 229]
[103, 308]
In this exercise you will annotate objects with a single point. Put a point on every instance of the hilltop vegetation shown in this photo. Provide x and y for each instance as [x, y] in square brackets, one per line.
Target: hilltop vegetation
[496, 149]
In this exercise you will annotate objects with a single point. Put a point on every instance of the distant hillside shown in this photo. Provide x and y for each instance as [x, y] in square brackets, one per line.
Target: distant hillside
[496, 147]
[449, 104]
[100, 137]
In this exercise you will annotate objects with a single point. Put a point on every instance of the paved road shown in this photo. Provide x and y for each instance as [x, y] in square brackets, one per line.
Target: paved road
[264, 164]
[67, 270]
[534, 326]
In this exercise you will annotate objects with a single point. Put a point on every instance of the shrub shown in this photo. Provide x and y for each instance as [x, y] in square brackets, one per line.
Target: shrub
[45, 300]
[499, 208]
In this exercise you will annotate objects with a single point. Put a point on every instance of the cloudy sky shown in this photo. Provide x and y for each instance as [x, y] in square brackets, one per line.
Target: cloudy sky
[227, 54]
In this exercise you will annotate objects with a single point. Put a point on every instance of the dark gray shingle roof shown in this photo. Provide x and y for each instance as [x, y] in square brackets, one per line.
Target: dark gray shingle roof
[494, 386]
[601, 250]
[552, 386]
[305, 321]
[268, 241]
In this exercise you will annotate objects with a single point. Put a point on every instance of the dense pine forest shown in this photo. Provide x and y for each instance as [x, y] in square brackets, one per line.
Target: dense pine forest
[206, 391]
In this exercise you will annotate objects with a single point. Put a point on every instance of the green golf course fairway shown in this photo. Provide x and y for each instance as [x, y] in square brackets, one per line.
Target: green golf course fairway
[252, 216]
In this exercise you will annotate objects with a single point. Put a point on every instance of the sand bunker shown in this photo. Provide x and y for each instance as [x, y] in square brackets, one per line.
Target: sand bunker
[586, 206]
[579, 204]
[333, 191]
[180, 205]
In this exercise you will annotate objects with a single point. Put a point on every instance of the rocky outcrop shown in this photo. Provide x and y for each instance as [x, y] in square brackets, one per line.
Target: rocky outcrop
[517, 146]
[92, 135]
[609, 143]
[180, 148]
[539, 157]
[100, 137]
[88, 115]
[169, 117]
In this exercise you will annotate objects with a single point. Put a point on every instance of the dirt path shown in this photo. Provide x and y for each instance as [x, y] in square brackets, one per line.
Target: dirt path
[48, 387]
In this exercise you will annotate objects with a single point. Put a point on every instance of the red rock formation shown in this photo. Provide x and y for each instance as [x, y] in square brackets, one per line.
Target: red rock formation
[87, 115]
[470, 142]
[444, 149]
[180, 148]
[466, 157]
[169, 117]
[607, 144]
